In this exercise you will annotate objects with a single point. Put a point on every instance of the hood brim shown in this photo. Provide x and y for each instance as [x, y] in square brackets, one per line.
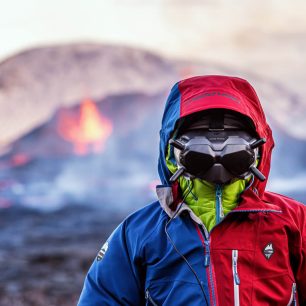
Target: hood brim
[214, 92]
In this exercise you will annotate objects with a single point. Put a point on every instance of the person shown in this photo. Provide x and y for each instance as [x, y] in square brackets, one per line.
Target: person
[215, 236]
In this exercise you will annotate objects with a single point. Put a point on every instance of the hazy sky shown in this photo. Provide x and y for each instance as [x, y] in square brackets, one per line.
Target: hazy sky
[213, 29]
[266, 37]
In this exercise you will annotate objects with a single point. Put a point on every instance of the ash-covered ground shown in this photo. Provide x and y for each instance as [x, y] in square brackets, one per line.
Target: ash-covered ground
[44, 257]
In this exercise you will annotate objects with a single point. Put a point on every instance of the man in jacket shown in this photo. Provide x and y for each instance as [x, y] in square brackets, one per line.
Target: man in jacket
[215, 236]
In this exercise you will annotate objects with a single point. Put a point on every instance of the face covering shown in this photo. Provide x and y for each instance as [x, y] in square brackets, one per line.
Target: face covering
[210, 150]
[201, 196]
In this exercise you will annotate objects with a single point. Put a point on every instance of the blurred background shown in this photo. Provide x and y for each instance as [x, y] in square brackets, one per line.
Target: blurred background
[82, 90]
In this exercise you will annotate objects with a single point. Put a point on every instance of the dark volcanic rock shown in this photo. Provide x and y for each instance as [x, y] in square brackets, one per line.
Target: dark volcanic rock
[44, 256]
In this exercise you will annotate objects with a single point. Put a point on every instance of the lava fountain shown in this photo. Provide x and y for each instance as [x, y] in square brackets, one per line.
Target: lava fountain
[87, 131]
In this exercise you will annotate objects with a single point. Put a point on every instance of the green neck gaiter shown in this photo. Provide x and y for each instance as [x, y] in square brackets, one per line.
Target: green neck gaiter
[209, 202]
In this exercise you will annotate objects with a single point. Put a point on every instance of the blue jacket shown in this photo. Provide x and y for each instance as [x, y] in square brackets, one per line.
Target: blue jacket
[140, 263]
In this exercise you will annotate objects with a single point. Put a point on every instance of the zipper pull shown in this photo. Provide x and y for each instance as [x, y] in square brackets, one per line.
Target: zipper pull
[207, 254]
[235, 269]
[294, 293]
[221, 210]
[206, 260]
[237, 280]
[219, 207]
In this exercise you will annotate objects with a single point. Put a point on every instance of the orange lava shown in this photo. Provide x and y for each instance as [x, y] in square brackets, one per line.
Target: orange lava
[87, 131]
[19, 159]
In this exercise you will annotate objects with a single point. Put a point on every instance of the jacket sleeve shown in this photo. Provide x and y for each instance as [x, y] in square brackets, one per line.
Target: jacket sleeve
[115, 275]
[299, 263]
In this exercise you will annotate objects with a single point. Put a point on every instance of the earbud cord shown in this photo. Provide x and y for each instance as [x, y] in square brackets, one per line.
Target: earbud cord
[250, 184]
[175, 248]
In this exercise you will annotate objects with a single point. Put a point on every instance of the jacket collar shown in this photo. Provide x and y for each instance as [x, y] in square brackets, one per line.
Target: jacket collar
[173, 207]
[170, 201]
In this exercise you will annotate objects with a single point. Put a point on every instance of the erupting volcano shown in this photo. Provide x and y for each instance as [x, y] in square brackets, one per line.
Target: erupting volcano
[87, 131]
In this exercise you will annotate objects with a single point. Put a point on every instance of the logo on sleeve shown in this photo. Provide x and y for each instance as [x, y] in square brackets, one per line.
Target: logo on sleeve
[102, 251]
[268, 251]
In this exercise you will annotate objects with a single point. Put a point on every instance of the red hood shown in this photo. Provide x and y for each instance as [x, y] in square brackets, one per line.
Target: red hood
[207, 92]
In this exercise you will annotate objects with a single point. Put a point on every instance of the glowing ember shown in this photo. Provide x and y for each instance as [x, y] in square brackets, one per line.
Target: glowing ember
[88, 131]
[19, 160]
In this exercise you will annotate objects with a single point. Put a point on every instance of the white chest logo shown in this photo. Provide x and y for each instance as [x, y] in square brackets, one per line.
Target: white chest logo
[102, 251]
[268, 250]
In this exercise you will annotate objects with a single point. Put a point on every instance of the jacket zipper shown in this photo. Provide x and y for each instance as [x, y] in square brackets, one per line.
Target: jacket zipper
[205, 239]
[235, 277]
[219, 218]
[149, 298]
[292, 301]
[219, 207]
[207, 236]
[213, 294]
